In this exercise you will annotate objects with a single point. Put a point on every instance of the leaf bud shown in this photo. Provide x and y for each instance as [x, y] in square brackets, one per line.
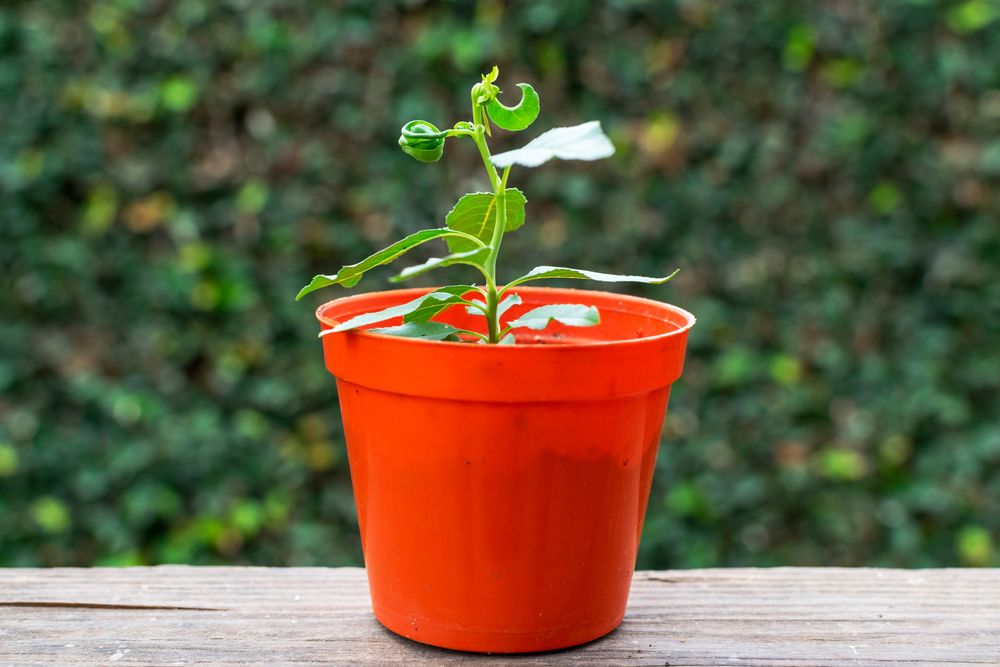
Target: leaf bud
[422, 141]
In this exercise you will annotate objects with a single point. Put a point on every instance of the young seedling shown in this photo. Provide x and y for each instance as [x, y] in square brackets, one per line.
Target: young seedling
[475, 227]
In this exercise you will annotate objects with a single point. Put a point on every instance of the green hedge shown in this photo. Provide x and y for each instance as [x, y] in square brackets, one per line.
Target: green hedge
[825, 174]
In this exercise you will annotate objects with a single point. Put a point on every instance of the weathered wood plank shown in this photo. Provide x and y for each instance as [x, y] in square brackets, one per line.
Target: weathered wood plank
[784, 616]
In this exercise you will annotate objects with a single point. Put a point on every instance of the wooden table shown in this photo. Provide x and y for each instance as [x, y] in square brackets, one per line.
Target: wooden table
[180, 615]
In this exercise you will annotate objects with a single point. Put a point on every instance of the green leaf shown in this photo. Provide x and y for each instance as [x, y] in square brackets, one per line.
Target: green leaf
[431, 307]
[543, 272]
[425, 330]
[509, 301]
[570, 314]
[349, 275]
[502, 307]
[505, 305]
[518, 117]
[476, 257]
[475, 214]
[580, 142]
[448, 295]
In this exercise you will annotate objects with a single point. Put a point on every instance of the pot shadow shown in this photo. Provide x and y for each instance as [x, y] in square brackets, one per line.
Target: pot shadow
[438, 655]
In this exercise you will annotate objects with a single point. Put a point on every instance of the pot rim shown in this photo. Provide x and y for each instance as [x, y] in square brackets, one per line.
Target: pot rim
[689, 320]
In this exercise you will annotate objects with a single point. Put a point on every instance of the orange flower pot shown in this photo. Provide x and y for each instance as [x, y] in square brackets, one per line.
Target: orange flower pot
[501, 489]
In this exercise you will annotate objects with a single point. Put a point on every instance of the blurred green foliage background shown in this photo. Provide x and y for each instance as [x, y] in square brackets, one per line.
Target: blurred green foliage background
[825, 174]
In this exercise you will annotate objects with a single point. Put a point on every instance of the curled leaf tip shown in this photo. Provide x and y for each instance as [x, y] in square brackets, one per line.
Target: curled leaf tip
[518, 117]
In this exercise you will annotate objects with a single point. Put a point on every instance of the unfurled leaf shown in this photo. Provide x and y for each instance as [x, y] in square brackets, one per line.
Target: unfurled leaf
[570, 314]
[543, 272]
[349, 275]
[476, 257]
[580, 142]
[446, 295]
[502, 307]
[476, 214]
[425, 330]
[517, 117]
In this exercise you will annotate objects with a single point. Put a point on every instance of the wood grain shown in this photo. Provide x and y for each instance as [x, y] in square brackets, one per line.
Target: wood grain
[179, 615]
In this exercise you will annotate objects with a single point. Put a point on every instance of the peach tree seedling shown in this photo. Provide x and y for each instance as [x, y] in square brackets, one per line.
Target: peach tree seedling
[475, 227]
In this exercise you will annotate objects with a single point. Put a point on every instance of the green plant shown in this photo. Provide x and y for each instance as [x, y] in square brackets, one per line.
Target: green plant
[475, 227]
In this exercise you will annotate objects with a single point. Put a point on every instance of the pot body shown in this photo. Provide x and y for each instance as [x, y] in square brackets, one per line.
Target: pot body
[501, 490]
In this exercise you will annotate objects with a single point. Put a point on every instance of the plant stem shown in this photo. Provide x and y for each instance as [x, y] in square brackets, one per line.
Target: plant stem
[500, 202]
[492, 320]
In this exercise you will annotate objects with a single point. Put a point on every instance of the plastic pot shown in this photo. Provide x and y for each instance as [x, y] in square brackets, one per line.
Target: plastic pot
[501, 490]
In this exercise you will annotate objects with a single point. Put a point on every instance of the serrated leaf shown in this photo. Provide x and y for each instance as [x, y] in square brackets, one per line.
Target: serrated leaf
[475, 214]
[517, 117]
[446, 295]
[505, 304]
[580, 142]
[543, 272]
[349, 275]
[424, 330]
[475, 257]
[570, 314]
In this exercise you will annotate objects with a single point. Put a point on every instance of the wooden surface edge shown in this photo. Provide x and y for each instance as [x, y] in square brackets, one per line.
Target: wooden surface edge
[178, 614]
